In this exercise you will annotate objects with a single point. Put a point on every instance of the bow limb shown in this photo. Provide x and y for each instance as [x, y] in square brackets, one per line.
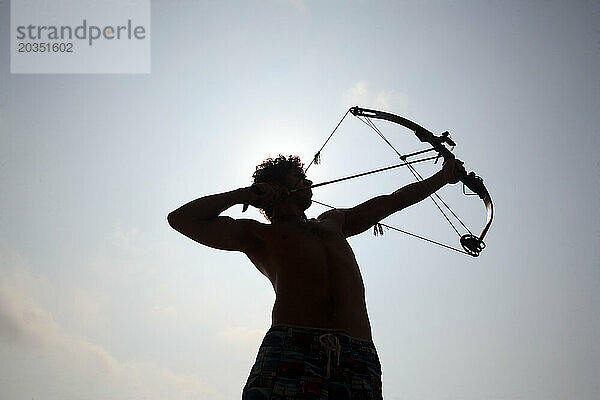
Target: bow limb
[471, 243]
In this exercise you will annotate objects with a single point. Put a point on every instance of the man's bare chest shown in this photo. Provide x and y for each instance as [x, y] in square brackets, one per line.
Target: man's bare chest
[312, 236]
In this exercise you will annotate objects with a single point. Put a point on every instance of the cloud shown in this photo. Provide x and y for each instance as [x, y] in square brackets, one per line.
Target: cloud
[357, 94]
[89, 307]
[161, 315]
[361, 94]
[21, 321]
[125, 256]
[129, 241]
[25, 324]
[390, 100]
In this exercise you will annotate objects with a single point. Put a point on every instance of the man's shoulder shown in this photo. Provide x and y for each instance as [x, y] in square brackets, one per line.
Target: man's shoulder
[251, 223]
[257, 233]
[335, 215]
[261, 230]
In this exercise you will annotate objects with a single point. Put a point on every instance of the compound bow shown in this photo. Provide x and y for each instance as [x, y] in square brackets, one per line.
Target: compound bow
[472, 244]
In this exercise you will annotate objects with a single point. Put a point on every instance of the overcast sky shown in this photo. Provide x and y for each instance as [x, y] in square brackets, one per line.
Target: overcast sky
[100, 299]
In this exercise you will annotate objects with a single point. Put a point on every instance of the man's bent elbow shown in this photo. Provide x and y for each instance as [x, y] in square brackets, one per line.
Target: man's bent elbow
[174, 220]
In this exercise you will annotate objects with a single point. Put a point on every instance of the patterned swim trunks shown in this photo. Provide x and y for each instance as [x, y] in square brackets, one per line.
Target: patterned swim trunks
[309, 363]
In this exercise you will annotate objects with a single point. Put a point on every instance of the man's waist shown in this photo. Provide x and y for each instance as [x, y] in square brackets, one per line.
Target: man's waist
[309, 334]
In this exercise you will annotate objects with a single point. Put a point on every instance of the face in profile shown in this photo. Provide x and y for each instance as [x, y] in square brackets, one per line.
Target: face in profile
[297, 180]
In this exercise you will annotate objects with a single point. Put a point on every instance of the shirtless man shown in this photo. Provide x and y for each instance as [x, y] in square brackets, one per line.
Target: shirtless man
[319, 344]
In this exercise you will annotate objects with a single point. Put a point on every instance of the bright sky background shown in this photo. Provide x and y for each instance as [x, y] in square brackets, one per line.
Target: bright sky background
[100, 299]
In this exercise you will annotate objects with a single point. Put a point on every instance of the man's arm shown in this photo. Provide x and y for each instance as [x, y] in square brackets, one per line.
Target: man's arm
[362, 217]
[200, 221]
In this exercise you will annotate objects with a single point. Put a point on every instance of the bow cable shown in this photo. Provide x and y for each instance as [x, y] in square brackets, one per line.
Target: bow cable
[317, 158]
[407, 232]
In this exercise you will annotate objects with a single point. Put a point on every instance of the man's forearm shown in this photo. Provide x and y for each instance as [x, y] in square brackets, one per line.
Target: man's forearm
[415, 192]
[209, 207]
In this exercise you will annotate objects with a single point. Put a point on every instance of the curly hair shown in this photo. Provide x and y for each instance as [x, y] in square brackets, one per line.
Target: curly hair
[275, 170]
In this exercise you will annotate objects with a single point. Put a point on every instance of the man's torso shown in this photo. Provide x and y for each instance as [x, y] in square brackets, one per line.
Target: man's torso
[315, 275]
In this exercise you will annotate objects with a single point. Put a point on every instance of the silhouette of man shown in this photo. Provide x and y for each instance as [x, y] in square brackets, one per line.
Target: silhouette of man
[319, 345]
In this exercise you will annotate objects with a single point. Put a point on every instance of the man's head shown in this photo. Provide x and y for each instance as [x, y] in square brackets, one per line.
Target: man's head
[285, 172]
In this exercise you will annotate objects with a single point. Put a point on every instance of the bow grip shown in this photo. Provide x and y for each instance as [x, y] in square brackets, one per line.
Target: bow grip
[475, 184]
